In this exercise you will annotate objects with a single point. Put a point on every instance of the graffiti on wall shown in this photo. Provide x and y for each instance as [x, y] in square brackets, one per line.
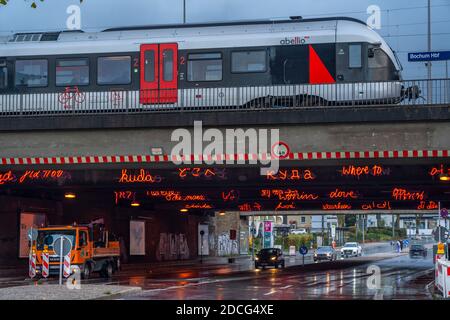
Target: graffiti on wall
[225, 246]
[172, 247]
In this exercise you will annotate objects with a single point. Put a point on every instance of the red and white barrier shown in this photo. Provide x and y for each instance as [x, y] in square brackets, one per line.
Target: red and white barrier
[66, 270]
[442, 276]
[45, 264]
[32, 265]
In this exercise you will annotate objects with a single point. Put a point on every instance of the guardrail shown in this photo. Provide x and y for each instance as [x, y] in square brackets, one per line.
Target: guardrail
[74, 100]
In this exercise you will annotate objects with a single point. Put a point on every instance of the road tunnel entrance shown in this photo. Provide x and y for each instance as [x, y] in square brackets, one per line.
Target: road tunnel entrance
[157, 212]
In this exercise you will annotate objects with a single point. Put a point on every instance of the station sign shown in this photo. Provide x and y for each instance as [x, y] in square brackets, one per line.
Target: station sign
[428, 56]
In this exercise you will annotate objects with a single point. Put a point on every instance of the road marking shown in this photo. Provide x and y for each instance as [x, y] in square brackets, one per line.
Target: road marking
[269, 293]
[283, 288]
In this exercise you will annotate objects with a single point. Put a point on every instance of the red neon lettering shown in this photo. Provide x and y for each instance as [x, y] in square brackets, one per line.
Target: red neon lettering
[405, 195]
[339, 194]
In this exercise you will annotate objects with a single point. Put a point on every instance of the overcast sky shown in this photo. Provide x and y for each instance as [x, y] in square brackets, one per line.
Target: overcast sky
[404, 22]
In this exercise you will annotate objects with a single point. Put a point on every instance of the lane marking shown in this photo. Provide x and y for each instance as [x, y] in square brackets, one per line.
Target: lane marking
[269, 293]
[286, 287]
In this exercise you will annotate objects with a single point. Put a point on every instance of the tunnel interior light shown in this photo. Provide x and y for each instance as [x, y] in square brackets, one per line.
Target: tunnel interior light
[70, 195]
[135, 204]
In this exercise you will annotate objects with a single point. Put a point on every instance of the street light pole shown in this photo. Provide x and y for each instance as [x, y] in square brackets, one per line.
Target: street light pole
[430, 88]
[184, 11]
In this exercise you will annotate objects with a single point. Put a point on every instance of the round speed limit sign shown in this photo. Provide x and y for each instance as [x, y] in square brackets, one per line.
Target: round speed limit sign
[280, 150]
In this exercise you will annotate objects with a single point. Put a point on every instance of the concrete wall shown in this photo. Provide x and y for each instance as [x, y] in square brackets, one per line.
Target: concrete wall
[304, 138]
[10, 209]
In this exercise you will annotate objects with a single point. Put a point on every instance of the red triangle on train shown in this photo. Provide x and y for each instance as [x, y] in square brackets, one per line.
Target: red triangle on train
[318, 72]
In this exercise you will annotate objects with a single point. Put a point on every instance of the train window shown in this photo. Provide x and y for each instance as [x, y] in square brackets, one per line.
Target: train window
[249, 61]
[114, 70]
[355, 56]
[205, 67]
[31, 73]
[379, 60]
[168, 65]
[74, 72]
[149, 67]
[3, 75]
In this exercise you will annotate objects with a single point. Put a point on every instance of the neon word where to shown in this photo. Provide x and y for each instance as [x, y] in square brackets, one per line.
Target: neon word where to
[357, 171]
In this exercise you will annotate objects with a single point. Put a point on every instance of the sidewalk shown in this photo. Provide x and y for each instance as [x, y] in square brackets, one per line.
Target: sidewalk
[56, 292]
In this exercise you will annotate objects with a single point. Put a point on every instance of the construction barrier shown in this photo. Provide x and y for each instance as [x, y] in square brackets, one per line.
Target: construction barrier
[442, 276]
[45, 264]
[66, 265]
[32, 264]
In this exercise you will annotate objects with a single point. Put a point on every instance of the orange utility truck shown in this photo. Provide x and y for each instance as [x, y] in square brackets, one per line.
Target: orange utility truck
[93, 250]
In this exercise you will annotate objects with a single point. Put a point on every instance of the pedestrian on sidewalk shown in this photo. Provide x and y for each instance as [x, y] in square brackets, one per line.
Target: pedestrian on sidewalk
[401, 245]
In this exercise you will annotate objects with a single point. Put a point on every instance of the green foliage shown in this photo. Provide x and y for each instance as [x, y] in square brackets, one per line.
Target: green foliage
[296, 240]
[376, 234]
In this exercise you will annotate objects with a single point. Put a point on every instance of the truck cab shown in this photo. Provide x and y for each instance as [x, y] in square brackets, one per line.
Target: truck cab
[91, 251]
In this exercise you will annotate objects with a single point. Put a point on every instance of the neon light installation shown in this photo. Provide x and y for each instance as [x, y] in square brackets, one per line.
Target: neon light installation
[291, 175]
[357, 171]
[340, 194]
[336, 206]
[142, 177]
[405, 195]
[288, 195]
[374, 205]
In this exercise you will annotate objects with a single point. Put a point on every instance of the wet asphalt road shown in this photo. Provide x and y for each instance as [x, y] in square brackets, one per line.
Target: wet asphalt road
[401, 278]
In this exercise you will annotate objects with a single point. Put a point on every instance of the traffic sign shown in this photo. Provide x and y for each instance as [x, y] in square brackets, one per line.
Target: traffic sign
[444, 213]
[440, 234]
[32, 234]
[428, 56]
[440, 248]
[67, 245]
[303, 250]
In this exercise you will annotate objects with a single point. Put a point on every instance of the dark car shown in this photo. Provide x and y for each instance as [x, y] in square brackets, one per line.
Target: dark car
[417, 250]
[269, 258]
[325, 253]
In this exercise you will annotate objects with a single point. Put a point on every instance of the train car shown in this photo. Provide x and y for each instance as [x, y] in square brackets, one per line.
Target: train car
[294, 62]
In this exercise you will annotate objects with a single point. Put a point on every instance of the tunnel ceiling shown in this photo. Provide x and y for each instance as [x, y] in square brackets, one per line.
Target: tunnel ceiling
[368, 187]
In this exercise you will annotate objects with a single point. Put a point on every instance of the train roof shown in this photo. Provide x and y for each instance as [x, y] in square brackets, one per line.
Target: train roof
[294, 19]
[253, 33]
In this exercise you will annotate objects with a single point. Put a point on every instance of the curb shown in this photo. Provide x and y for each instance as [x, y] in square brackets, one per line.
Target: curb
[119, 294]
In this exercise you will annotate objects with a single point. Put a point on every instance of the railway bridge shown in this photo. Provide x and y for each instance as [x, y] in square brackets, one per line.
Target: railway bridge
[119, 165]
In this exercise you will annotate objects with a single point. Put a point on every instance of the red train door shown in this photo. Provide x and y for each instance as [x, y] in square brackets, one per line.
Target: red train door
[159, 73]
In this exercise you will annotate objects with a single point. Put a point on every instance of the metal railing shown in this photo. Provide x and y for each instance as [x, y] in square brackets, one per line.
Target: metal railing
[73, 100]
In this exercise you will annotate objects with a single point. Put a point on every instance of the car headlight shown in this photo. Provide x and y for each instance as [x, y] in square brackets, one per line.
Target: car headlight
[256, 258]
[328, 253]
[273, 258]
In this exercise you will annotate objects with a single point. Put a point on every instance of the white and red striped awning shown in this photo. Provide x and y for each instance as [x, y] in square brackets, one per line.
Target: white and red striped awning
[342, 155]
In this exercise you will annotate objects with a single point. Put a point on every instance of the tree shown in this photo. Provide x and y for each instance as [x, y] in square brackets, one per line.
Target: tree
[33, 4]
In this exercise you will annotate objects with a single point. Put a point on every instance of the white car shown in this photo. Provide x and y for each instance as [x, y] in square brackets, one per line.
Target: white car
[299, 231]
[351, 249]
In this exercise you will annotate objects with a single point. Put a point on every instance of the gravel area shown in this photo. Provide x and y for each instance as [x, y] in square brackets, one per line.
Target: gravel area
[56, 292]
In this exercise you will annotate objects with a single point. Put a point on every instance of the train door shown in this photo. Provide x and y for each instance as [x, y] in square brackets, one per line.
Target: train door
[350, 62]
[3, 75]
[159, 73]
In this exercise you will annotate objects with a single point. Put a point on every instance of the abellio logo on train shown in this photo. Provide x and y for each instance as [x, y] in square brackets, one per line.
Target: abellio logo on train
[296, 40]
